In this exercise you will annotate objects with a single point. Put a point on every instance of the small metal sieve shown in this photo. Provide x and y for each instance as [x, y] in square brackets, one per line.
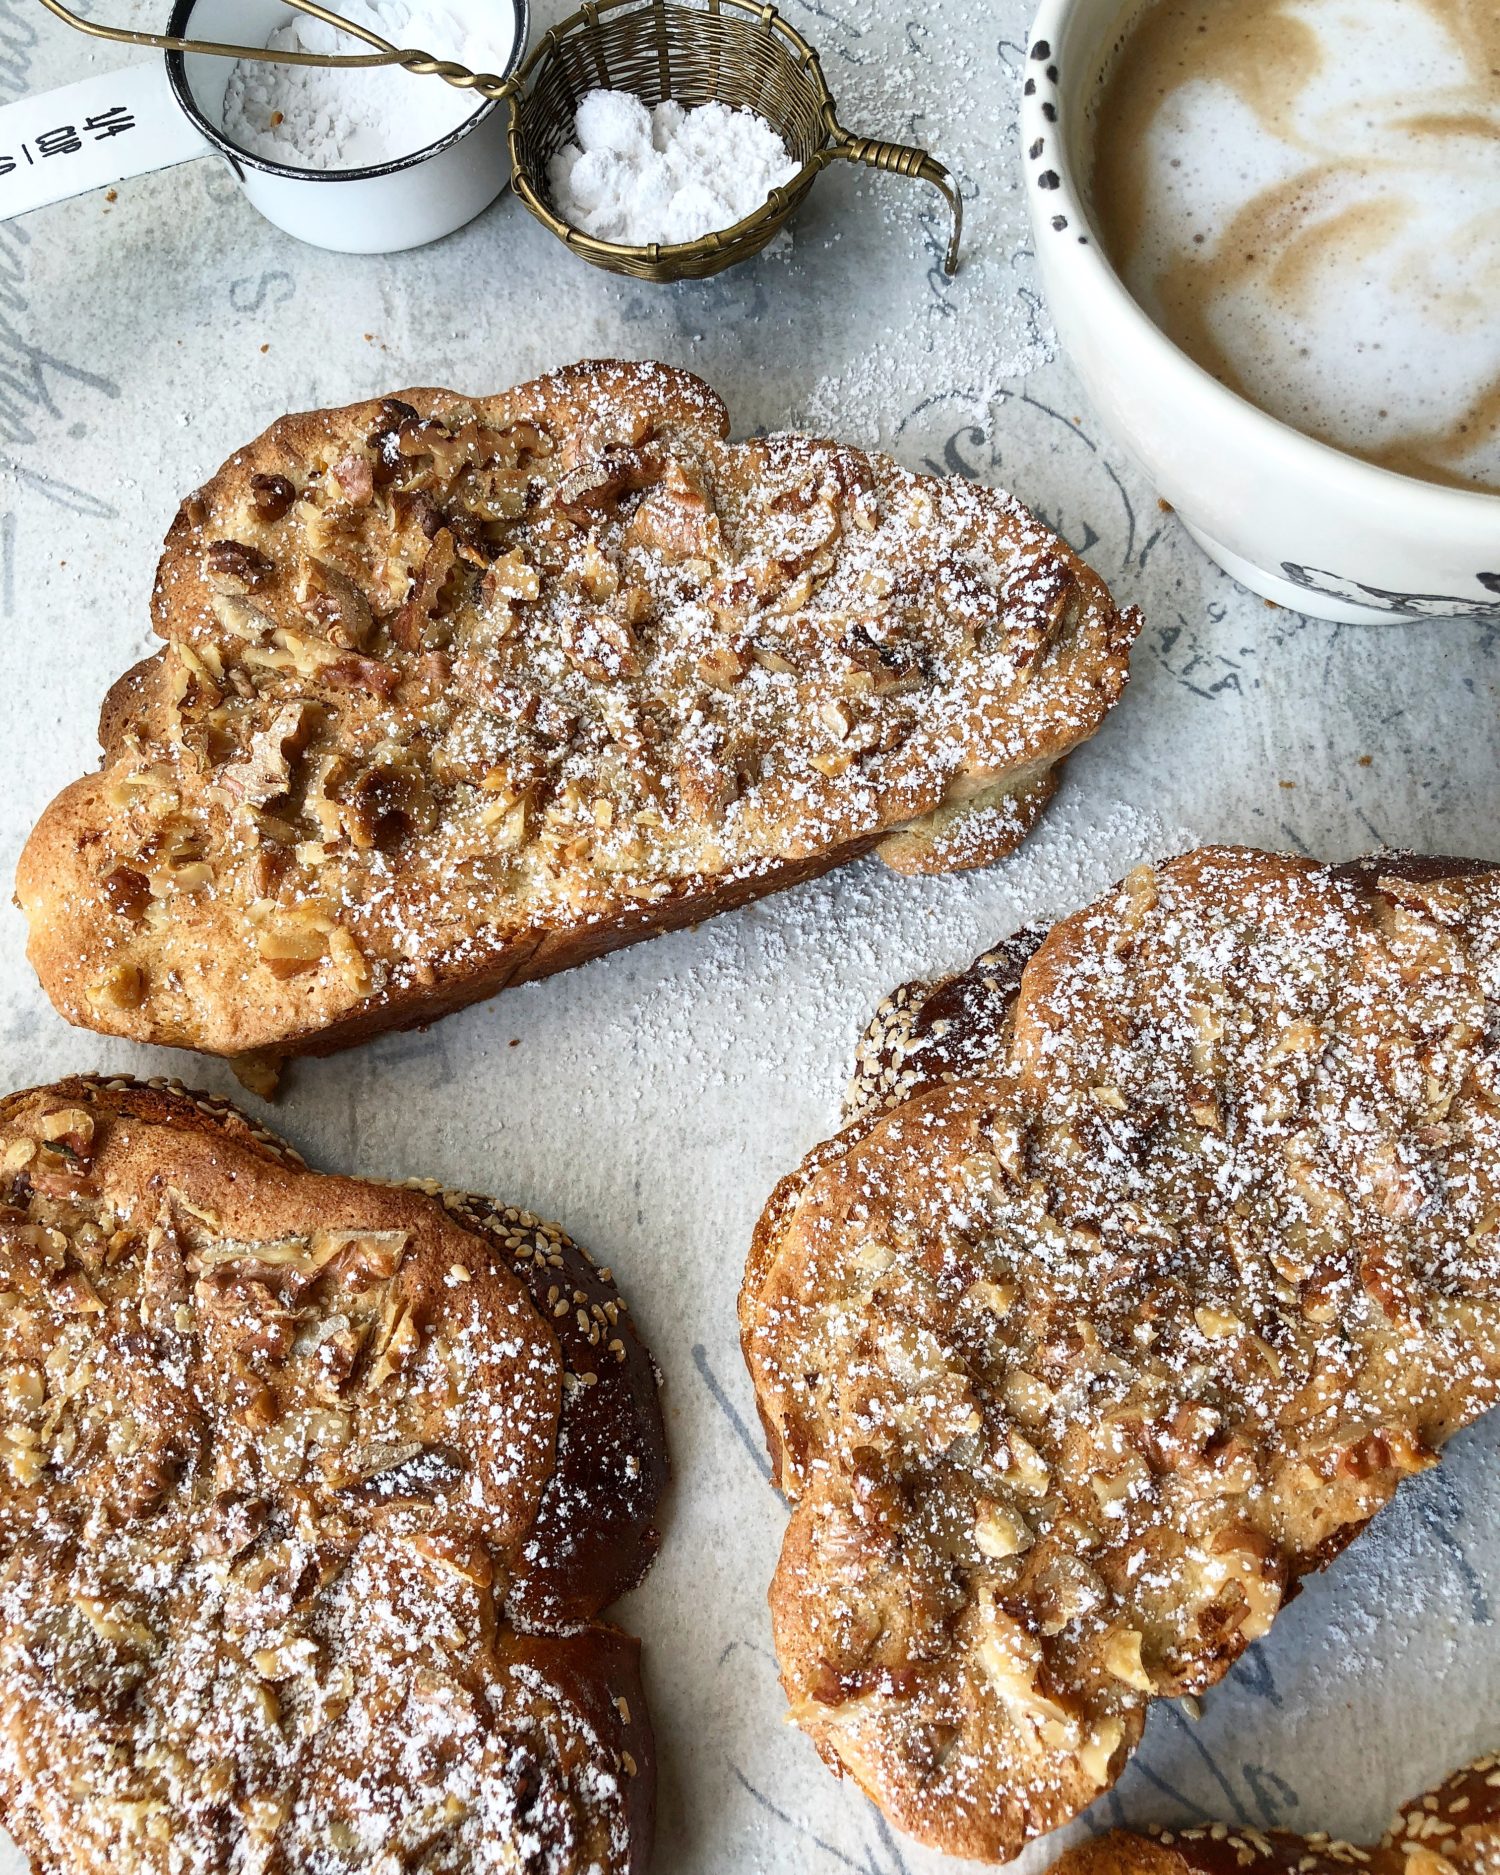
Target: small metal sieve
[733, 52]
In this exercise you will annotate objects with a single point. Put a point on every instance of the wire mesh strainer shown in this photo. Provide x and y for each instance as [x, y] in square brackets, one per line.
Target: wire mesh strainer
[727, 51]
[733, 52]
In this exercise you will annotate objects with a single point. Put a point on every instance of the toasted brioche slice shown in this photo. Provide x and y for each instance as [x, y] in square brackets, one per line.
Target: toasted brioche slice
[311, 1499]
[1453, 1830]
[458, 693]
[1155, 1251]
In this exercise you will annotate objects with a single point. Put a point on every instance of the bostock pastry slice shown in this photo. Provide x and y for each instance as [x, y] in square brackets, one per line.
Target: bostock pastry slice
[459, 692]
[1453, 1830]
[1155, 1251]
[311, 1498]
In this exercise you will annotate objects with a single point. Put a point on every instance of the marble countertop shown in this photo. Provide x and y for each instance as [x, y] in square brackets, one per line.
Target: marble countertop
[651, 1101]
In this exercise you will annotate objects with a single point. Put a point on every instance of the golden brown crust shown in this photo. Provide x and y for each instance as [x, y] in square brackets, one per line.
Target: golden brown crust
[1155, 1252]
[1452, 1830]
[1122, 1852]
[458, 693]
[926, 1035]
[310, 1501]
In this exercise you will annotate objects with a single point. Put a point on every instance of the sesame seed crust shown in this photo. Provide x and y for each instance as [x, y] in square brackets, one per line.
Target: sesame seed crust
[1155, 1250]
[1452, 1830]
[460, 692]
[308, 1513]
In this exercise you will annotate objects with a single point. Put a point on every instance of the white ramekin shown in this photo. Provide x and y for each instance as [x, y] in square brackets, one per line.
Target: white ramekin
[377, 210]
[1291, 518]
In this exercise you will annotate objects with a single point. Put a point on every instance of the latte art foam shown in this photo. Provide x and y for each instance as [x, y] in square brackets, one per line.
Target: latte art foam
[1305, 196]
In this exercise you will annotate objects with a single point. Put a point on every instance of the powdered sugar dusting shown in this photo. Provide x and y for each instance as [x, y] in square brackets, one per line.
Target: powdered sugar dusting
[301, 1536]
[456, 695]
[844, 940]
[1135, 1306]
[973, 336]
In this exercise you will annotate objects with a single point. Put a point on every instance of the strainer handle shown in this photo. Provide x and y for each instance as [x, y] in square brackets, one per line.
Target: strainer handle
[905, 159]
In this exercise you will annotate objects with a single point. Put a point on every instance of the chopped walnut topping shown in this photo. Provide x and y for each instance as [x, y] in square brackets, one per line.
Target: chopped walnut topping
[1154, 1255]
[724, 666]
[273, 496]
[288, 1461]
[123, 987]
[758, 654]
[266, 772]
[999, 1532]
[235, 566]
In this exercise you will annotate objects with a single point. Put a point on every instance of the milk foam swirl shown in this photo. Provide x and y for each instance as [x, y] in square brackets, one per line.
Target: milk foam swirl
[1305, 195]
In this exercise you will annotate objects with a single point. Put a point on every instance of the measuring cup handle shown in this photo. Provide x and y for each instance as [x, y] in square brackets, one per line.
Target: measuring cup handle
[905, 159]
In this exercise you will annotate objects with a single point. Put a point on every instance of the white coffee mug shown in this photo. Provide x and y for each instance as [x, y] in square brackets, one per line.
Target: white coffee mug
[1291, 518]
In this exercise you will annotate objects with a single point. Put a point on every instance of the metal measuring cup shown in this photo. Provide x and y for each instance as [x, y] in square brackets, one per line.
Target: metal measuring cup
[147, 117]
[740, 53]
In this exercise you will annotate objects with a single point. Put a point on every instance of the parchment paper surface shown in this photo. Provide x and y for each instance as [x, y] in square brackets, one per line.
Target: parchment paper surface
[651, 1101]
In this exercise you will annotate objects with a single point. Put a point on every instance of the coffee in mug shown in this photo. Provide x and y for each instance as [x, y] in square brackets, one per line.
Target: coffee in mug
[1305, 196]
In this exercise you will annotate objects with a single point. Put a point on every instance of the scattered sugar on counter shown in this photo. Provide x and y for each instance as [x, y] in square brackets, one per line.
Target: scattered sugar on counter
[636, 175]
[349, 118]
